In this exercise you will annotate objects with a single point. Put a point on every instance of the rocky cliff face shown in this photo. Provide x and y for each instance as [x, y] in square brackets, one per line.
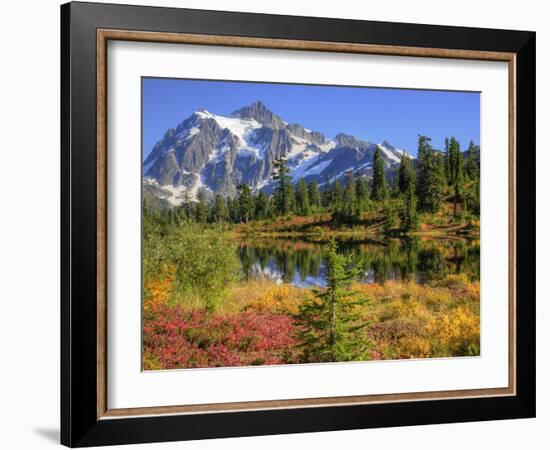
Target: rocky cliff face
[217, 153]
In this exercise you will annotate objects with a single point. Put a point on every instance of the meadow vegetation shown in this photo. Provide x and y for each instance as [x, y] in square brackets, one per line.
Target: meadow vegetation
[215, 316]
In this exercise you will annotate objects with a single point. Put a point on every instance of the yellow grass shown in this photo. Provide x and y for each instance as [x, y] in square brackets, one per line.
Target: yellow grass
[264, 295]
[405, 319]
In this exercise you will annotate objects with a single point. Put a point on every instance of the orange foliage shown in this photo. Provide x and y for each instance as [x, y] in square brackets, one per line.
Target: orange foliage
[158, 291]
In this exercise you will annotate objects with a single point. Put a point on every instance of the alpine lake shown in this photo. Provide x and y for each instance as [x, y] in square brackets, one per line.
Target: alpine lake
[302, 261]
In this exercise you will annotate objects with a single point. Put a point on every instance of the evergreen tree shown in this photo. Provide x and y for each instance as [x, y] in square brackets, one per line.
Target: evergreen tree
[262, 211]
[170, 216]
[379, 191]
[337, 200]
[284, 193]
[329, 326]
[471, 166]
[456, 172]
[246, 204]
[391, 213]
[179, 214]
[145, 208]
[438, 180]
[201, 210]
[302, 198]
[361, 195]
[424, 157]
[447, 159]
[219, 210]
[349, 200]
[409, 216]
[229, 204]
[431, 179]
[187, 206]
[472, 198]
[326, 196]
[407, 175]
[314, 196]
[393, 183]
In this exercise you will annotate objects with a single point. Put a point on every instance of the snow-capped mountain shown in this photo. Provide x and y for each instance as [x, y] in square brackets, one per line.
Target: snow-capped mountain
[217, 153]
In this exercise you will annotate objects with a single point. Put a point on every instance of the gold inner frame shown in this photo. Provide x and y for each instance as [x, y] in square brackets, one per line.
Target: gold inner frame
[104, 35]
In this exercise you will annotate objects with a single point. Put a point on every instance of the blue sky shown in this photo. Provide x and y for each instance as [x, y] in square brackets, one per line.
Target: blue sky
[373, 114]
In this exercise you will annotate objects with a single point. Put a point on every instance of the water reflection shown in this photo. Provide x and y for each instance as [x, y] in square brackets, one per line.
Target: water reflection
[302, 262]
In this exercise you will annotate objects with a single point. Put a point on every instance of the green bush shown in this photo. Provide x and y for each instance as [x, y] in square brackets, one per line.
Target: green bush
[204, 260]
[206, 264]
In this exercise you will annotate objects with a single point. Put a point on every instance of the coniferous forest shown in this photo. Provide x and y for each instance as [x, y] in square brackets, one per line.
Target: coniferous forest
[355, 268]
[415, 194]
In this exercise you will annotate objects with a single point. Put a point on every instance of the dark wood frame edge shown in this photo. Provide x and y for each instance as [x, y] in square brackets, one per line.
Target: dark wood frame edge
[79, 422]
[105, 35]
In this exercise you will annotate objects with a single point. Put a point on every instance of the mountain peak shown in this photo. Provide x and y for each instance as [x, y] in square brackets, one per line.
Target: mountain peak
[259, 104]
[219, 152]
[202, 113]
[345, 139]
[259, 112]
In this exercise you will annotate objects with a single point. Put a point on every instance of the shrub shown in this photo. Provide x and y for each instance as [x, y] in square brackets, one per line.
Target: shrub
[175, 338]
[199, 263]
[455, 281]
[456, 333]
[414, 347]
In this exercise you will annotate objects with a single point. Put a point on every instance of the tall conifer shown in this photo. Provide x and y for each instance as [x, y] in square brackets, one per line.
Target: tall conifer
[302, 198]
[284, 193]
[379, 190]
[456, 172]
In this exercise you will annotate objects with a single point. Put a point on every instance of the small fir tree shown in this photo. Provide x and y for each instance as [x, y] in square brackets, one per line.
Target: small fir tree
[329, 326]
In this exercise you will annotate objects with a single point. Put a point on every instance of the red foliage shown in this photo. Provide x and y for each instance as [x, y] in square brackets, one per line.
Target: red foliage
[177, 338]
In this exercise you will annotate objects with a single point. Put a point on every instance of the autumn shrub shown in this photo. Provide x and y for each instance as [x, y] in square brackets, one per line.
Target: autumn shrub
[414, 346]
[437, 299]
[455, 333]
[157, 290]
[472, 291]
[455, 281]
[175, 338]
[400, 309]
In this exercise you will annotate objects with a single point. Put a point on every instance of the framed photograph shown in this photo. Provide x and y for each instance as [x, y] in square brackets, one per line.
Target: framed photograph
[276, 224]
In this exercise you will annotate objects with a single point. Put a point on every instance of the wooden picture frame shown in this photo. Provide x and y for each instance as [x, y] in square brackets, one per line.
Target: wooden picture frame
[86, 418]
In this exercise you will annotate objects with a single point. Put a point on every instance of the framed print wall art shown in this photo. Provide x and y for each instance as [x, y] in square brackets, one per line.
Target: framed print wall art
[277, 224]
